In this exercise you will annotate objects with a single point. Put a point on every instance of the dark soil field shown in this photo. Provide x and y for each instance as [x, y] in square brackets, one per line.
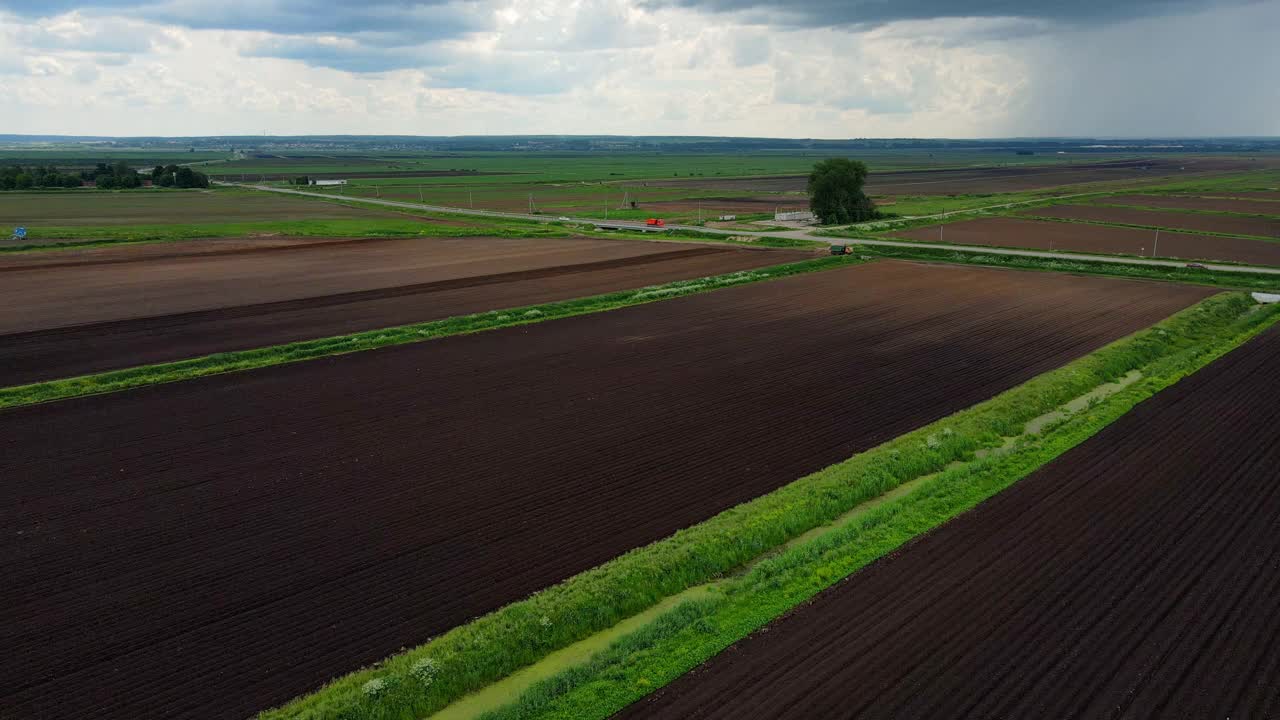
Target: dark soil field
[983, 180]
[1252, 195]
[1134, 577]
[57, 353]
[130, 282]
[1229, 224]
[1083, 237]
[209, 548]
[1186, 202]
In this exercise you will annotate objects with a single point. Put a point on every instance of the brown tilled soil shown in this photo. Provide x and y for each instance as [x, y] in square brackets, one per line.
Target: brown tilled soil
[1188, 202]
[1134, 577]
[214, 547]
[98, 290]
[1251, 195]
[1230, 224]
[983, 180]
[141, 252]
[38, 355]
[1083, 237]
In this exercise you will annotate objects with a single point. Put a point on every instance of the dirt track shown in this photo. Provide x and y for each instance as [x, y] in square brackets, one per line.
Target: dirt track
[56, 353]
[1085, 238]
[1230, 224]
[1135, 577]
[209, 548]
[1184, 202]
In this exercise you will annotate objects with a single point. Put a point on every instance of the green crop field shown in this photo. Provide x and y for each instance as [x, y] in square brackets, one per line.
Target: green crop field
[523, 167]
[154, 207]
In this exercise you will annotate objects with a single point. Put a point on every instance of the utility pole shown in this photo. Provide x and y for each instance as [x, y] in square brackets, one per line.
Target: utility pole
[1156, 250]
[471, 201]
[420, 200]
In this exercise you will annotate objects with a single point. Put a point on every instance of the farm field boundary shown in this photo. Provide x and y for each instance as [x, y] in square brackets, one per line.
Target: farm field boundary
[1194, 204]
[1226, 277]
[1047, 235]
[1247, 226]
[470, 657]
[1135, 575]
[697, 630]
[188, 323]
[305, 350]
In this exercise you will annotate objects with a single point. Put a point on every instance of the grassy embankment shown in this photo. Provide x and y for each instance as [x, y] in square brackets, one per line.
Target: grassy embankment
[696, 631]
[428, 678]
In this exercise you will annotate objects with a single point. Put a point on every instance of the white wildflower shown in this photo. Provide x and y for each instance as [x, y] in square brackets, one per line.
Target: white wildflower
[374, 687]
[424, 671]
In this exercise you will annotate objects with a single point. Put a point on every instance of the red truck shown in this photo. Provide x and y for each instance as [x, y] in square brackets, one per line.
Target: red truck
[656, 222]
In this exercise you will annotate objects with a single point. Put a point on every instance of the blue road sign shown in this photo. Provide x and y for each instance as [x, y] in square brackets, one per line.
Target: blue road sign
[20, 232]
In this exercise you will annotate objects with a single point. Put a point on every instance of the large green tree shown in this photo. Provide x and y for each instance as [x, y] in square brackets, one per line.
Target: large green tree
[835, 192]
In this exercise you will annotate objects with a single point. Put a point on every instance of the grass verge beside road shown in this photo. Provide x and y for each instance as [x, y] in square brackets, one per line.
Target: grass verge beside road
[430, 677]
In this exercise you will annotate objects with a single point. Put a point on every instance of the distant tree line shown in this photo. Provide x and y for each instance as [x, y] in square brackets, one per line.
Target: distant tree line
[179, 177]
[17, 177]
[108, 177]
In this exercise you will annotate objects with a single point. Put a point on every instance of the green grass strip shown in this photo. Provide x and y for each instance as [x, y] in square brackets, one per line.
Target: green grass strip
[428, 678]
[118, 380]
[697, 630]
[64, 238]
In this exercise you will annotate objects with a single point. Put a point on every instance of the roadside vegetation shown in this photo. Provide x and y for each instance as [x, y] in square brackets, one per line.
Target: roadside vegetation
[428, 678]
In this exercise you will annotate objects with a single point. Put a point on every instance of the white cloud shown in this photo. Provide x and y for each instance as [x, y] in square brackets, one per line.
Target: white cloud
[617, 66]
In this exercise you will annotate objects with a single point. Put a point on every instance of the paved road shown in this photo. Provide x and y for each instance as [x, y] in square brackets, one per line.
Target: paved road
[796, 234]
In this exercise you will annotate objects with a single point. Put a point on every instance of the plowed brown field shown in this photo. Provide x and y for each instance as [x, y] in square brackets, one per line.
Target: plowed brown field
[1185, 202]
[1229, 224]
[471, 280]
[1134, 577]
[210, 548]
[1083, 237]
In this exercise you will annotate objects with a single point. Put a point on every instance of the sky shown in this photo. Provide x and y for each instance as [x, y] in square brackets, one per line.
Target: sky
[760, 68]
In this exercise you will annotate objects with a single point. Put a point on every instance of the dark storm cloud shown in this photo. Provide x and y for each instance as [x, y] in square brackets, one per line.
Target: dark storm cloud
[822, 13]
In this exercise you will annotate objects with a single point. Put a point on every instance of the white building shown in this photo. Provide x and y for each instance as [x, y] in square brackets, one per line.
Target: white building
[797, 216]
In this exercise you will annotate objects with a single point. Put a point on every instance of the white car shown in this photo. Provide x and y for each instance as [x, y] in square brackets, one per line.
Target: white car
[563, 218]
